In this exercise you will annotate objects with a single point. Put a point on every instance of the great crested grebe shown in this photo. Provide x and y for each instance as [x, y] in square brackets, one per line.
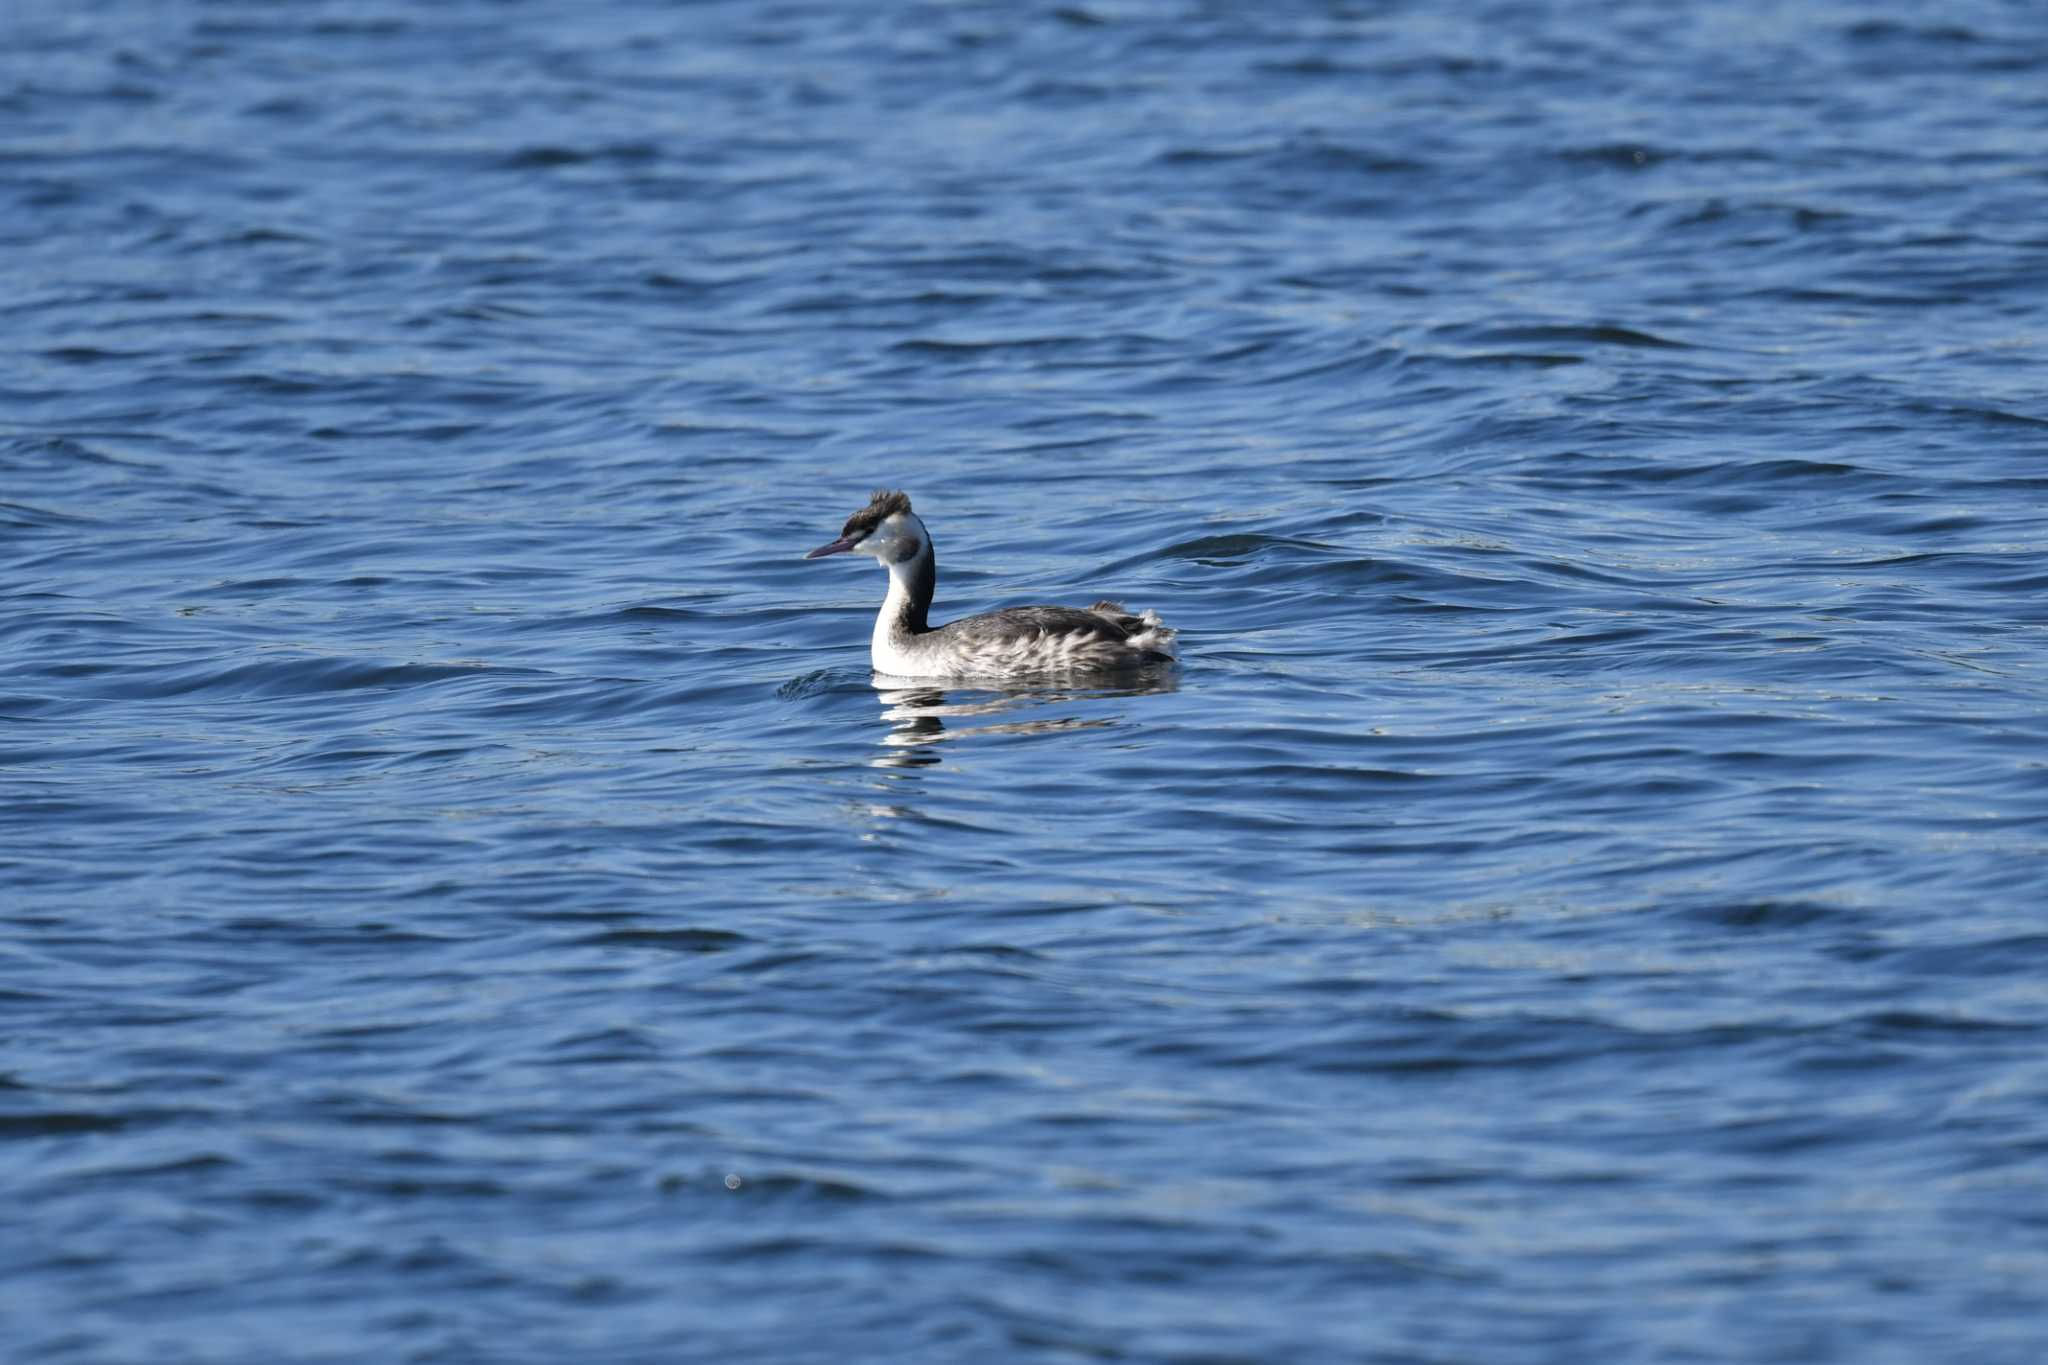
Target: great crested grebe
[1012, 642]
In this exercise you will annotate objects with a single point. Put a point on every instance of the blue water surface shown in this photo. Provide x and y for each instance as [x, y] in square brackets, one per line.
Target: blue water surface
[464, 897]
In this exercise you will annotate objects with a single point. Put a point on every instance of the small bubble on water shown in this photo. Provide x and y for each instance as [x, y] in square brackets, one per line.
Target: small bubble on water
[732, 1182]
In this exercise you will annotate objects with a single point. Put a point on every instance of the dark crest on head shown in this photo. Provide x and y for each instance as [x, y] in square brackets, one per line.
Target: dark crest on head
[886, 503]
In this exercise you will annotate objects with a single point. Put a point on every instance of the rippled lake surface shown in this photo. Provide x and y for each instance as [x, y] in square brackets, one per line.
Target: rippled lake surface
[464, 897]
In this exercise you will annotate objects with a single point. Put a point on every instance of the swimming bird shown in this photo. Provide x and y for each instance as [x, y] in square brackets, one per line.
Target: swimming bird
[1012, 642]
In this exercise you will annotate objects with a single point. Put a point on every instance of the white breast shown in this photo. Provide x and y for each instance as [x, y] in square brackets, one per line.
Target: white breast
[888, 656]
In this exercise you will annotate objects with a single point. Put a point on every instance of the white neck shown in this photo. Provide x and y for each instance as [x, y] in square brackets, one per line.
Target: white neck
[889, 622]
[904, 616]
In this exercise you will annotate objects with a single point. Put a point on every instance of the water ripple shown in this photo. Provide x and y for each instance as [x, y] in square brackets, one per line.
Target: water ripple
[458, 867]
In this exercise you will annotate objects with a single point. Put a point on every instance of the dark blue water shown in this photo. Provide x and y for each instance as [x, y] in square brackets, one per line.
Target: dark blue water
[463, 897]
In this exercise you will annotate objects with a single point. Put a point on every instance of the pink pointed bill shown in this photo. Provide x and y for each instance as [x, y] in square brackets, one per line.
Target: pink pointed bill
[837, 547]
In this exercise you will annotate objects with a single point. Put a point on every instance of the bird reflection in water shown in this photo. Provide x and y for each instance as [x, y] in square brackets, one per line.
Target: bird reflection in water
[922, 715]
